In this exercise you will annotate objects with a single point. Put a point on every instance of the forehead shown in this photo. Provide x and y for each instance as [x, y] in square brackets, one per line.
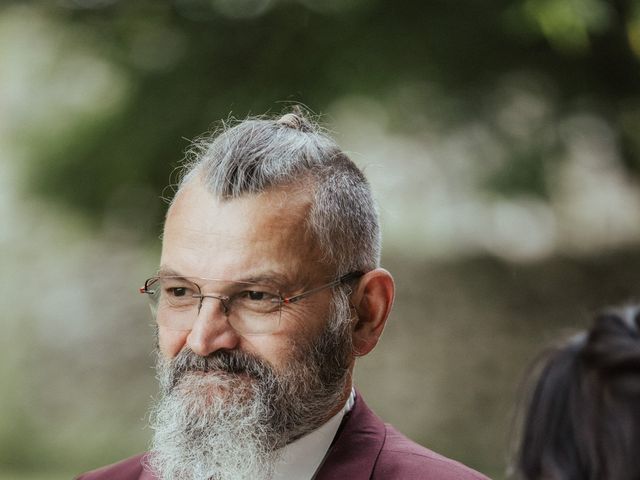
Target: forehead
[239, 238]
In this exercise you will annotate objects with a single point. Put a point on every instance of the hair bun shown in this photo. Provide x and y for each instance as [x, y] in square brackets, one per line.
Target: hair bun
[295, 120]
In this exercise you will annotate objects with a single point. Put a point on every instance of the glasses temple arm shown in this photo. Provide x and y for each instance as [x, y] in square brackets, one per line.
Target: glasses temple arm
[343, 279]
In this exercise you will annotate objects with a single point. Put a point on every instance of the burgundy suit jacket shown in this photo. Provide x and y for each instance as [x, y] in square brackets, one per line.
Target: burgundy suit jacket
[365, 448]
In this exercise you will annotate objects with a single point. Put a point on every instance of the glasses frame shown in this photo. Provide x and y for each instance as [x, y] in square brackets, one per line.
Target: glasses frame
[224, 299]
[343, 279]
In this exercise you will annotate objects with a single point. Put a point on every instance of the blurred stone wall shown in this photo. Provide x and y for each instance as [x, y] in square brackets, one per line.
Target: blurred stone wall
[462, 334]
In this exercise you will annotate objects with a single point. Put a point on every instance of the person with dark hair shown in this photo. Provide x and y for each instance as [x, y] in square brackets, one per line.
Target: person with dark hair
[268, 290]
[582, 416]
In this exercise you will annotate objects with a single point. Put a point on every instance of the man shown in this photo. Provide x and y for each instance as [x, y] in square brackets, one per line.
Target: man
[268, 290]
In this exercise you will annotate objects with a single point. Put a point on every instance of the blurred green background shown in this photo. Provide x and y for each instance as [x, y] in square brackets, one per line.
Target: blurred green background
[501, 138]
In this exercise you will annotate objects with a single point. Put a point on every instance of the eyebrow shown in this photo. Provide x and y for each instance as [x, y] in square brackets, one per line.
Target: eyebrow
[165, 271]
[269, 277]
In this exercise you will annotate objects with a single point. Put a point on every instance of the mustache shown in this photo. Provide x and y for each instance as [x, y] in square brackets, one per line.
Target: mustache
[232, 362]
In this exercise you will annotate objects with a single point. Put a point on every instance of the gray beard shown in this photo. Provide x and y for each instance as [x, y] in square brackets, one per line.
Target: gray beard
[226, 416]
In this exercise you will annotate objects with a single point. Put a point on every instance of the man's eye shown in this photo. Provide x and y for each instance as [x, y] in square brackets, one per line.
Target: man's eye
[253, 295]
[178, 291]
[257, 296]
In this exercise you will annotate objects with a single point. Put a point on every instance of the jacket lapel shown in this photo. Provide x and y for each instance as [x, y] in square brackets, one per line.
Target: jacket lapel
[357, 445]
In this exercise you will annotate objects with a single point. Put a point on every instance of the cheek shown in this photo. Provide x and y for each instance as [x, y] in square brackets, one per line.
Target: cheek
[170, 342]
[306, 320]
[274, 348]
[300, 326]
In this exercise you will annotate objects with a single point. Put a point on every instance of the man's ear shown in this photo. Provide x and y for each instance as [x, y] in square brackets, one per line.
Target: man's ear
[372, 301]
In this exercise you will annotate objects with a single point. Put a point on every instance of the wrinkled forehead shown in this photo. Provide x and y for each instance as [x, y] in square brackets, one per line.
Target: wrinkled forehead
[265, 230]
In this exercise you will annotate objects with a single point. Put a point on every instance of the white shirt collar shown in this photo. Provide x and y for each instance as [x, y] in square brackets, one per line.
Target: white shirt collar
[301, 458]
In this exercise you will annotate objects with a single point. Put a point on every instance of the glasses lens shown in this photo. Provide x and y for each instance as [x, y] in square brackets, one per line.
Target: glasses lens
[255, 310]
[178, 292]
[250, 308]
[173, 301]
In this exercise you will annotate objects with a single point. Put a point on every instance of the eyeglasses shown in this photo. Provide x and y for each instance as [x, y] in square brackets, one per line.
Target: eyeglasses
[250, 308]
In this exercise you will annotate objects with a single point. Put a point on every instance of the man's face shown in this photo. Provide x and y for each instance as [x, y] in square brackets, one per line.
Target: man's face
[254, 237]
[243, 395]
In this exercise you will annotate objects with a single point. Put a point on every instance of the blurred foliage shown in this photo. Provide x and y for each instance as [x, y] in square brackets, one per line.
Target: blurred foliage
[186, 63]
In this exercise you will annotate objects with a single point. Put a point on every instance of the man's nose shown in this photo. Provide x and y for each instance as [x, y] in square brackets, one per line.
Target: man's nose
[211, 329]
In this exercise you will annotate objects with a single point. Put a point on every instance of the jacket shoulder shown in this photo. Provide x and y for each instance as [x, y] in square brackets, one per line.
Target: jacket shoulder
[400, 457]
[130, 469]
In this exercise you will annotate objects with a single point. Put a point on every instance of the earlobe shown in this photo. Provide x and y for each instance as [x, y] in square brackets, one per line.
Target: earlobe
[372, 301]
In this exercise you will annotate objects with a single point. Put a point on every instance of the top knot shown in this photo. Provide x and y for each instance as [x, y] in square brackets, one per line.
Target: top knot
[295, 120]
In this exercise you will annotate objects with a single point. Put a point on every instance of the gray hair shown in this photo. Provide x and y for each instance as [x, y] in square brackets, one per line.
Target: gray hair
[258, 154]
